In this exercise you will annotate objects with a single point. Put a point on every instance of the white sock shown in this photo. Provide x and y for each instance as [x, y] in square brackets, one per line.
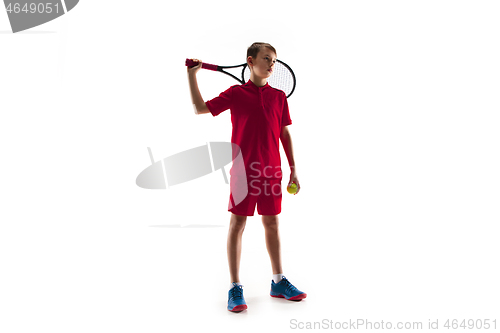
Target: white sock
[277, 277]
[232, 285]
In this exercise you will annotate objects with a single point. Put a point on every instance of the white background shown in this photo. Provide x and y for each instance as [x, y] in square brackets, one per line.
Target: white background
[395, 132]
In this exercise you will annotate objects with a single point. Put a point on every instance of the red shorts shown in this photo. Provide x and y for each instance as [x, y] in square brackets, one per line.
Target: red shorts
[248, 192]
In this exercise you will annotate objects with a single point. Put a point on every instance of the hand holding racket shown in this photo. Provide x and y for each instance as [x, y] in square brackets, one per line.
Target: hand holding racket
[194, 69]
[282, 78]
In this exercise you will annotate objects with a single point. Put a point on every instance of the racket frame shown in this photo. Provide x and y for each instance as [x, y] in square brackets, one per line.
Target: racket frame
[242, 79]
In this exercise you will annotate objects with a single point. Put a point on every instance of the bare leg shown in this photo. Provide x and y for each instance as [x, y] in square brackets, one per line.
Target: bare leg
[236, 227]
[271, 225]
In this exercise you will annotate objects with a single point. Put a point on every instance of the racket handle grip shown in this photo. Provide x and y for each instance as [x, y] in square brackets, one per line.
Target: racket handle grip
[191, 63]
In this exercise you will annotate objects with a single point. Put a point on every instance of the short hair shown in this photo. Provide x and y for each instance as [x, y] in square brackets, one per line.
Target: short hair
[254, 49]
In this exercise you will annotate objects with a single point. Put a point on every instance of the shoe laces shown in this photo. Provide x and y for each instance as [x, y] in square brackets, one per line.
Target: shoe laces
[236, 292]
[288, 285]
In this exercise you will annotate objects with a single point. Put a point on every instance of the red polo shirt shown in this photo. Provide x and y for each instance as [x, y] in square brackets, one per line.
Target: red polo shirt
[257, 115]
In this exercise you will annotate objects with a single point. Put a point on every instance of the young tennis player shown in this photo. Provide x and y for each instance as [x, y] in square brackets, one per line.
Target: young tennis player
[260, 116]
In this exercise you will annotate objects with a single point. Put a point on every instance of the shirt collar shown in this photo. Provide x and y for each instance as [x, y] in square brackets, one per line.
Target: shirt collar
[253, 86]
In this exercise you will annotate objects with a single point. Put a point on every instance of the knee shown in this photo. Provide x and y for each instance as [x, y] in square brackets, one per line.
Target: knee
[237, 223]
[270, 221]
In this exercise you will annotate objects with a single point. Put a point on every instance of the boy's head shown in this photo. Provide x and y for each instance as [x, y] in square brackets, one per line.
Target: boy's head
[261, 58]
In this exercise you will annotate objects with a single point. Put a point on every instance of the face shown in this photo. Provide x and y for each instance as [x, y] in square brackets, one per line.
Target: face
[263, 64]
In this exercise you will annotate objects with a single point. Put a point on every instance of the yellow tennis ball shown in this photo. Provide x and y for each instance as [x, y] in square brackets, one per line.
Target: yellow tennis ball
[292, 189]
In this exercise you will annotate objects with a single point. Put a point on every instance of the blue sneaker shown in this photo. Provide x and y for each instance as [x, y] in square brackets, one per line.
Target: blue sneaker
[236, 302]
[284, 289]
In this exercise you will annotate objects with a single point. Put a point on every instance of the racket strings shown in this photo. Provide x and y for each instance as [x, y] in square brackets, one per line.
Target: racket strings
[281, 78]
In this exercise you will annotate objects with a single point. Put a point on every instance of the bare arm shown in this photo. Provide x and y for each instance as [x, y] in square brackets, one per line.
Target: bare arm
[286, 141]
[198, 104]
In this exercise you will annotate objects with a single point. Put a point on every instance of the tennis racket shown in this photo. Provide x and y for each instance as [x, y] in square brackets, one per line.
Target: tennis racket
[282, 77]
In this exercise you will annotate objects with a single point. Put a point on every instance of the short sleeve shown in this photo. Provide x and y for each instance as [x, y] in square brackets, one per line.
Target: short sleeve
[220, 103]
[285, 117]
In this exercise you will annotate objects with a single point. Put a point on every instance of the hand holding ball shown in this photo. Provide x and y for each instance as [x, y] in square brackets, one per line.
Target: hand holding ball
[292, 188]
